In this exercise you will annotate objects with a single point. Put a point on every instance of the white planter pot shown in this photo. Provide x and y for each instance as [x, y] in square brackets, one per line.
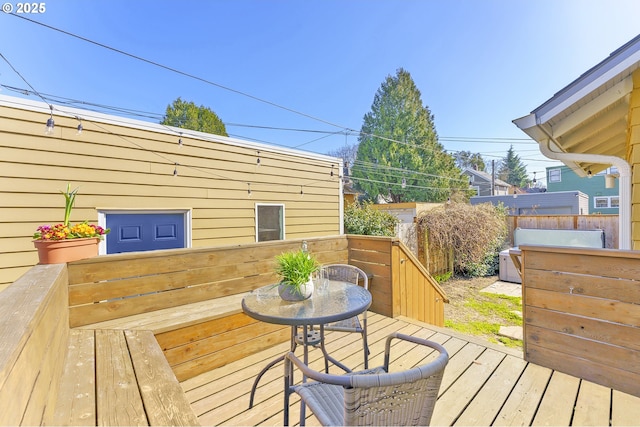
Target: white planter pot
[289, 293]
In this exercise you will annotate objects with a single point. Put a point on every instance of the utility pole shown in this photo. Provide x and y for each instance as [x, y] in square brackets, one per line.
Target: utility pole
[493, 177]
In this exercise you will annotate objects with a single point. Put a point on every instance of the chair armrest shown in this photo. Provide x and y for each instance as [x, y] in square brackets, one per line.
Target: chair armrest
[443, 357]
[347, 380]
[290, 358]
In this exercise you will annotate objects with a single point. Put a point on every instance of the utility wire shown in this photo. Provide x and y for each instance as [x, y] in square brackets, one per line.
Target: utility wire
[175, 70]
[23, 79]
[209, 82]
[167, 159]
[159, 117]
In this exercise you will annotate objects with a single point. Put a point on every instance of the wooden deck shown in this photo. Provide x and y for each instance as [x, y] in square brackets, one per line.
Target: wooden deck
[484, 384]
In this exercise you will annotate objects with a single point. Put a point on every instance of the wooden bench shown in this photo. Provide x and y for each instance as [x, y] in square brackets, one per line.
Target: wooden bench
[52, 375]
[202, 336]
[116, 377]
[183, 304]
[190, 299]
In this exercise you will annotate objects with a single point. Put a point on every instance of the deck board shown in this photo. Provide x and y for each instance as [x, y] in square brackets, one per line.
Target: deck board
[593, 406]
[484, 384]
[625, 409]
[556, 407]
[452, 403]
[521, 406]
[487, 403]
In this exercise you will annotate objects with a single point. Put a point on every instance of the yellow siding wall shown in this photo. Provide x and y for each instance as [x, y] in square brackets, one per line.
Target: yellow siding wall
[633, 148]
[118, 166]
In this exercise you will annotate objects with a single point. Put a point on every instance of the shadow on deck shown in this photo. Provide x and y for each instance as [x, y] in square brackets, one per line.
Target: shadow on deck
[484, 384]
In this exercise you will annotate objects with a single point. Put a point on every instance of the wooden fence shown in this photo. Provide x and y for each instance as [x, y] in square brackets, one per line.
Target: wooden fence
[435, 259]
[439, 261]
[581, 311]
[608, 223]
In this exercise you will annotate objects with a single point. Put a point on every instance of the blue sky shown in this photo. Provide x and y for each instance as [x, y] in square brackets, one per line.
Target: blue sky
[479, 64]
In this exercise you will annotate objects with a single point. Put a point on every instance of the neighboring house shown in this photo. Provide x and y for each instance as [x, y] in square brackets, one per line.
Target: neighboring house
[603, 200]
[155, 186]
[484, 184]
[560, 203]
[350, 194]
[593, 124]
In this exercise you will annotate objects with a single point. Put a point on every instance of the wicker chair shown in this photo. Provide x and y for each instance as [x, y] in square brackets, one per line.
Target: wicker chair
[351, 274]
[370, 397]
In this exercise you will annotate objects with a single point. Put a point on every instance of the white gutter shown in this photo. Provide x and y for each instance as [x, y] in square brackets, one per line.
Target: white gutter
[624, 227]
[341, 178]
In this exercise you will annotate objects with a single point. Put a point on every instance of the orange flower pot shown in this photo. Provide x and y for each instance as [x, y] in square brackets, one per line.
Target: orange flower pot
[61, 251]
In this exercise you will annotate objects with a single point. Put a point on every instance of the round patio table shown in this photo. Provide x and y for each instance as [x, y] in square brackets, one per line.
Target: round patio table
[330, 303]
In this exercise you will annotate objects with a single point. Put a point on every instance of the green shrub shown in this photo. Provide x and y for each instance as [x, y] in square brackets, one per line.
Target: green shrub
[364, 219]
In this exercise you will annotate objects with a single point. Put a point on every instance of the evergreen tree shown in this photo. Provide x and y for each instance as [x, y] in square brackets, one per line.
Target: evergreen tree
[512, 170]
[399, 156]
[188, 115]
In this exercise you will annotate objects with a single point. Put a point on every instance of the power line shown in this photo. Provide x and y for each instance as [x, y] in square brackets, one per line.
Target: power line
[395, 184]
[403, 172]
[218, 85]
[158, 117]
[22, 77]
[177, 71]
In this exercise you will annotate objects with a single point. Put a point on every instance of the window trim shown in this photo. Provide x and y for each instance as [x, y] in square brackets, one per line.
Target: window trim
[283, 231]
[553, 172]
[596, 199]
[611, 199]
[608, 199]
[187, 214]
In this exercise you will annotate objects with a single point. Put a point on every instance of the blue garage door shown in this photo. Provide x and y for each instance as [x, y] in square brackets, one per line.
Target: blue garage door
[144, 232]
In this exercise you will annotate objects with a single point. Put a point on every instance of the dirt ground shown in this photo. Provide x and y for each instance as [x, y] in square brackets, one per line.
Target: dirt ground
[459, 290]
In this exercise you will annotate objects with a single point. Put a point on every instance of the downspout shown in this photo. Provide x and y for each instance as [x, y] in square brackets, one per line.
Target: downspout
[624, 227]
[341, 178]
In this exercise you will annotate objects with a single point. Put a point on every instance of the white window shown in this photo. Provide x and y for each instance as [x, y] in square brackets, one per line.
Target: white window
[269, 222]
[615, 202]
[606, 202]
[555, 175]
[601, 202]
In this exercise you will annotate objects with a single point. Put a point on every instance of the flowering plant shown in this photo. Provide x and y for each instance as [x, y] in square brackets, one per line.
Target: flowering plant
[64, 230]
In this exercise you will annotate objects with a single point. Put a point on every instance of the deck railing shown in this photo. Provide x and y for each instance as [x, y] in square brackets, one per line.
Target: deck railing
[159, 279]
[126, 291]
[401, 286]
[106, 290]
[581, 311]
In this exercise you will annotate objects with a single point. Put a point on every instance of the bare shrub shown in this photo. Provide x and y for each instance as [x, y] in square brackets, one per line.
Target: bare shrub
[475, 232]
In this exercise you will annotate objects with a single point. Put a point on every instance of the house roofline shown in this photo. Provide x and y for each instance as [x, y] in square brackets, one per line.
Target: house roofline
[481, 175]
[93, 116]
[620, 63]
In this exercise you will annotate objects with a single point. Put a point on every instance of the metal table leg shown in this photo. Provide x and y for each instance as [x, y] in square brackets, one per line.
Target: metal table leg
[270, 365]
[307, 339]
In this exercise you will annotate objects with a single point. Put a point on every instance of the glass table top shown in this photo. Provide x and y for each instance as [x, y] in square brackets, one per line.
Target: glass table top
[339, 300]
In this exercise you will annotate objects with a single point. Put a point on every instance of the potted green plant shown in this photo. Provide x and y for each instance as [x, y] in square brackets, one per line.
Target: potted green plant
[64, 242]
[295, 269]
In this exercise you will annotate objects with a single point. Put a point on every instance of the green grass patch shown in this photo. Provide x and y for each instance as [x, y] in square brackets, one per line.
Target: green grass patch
[473, 328]
[510, 342]
[502, 306]
[482, 314]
